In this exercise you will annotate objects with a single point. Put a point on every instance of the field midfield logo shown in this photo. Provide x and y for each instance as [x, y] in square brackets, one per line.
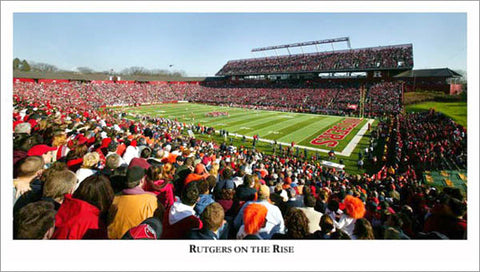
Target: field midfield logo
[336, 133]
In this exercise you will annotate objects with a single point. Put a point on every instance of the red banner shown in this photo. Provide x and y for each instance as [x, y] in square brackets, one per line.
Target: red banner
[126, 81]
[352, 106]
[53, 81]
[102, 81]
[16, 80]
[455, 89]
[157, 82]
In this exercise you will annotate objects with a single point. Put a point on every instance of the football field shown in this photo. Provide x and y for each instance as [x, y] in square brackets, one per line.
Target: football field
[314, 132]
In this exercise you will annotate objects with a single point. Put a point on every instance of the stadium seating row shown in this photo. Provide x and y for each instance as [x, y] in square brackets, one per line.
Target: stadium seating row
[393, 57]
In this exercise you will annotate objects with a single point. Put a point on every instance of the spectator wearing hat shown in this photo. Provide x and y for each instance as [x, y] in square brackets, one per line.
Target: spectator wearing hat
[180, 218]
[45, 151]
[213, 221]
[275, 223]
[132, 206]
[142, 161]
[150, 229]
[35, 221]
[83, 215]
[354, 209]
[312, 215]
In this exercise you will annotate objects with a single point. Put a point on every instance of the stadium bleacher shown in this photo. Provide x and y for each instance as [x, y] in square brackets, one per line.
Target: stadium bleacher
[378, 58]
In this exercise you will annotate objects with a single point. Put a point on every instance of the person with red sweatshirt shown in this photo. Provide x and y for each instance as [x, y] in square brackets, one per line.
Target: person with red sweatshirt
[83, 214]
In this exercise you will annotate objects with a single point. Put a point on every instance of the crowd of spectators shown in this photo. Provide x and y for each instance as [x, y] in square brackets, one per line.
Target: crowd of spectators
[384, 98]
[85, 172]
[426, 141]
[390, 57]
[323, 98]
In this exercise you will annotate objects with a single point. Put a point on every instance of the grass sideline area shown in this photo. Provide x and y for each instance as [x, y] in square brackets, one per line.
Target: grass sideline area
[455, 110]
[272, 125]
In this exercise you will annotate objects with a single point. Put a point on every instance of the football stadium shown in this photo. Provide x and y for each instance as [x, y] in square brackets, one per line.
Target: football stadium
[350, 143]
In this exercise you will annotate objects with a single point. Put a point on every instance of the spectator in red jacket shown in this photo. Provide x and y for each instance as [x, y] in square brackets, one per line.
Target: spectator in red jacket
[157, 185]
[83, 215]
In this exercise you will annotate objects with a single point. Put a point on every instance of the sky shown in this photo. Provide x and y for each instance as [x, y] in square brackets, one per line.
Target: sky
[201, 43]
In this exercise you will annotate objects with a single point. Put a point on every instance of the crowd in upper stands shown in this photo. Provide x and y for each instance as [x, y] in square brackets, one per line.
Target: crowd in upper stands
[393, 57]
[85, 172]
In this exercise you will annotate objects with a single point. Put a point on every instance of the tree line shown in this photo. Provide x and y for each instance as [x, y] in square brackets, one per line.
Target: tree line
[23, 65]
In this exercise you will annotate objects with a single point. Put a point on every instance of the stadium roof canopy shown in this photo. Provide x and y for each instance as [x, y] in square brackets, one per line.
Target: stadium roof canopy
[441, 72]
[343, 39]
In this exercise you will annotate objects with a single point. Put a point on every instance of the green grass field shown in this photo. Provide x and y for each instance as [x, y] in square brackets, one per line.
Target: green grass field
[280, 126]
[455, 110]
[284, 127]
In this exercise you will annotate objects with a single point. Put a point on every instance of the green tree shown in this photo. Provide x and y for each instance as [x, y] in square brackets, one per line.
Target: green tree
[25, 66]
[16, 64]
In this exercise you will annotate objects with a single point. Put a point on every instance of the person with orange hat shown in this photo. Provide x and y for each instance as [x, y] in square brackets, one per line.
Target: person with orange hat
[254, 218]
[275, 223]
[354, 209]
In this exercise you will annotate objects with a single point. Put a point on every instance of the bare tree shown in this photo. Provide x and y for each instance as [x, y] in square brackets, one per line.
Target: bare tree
[44, 67]
[85, 70]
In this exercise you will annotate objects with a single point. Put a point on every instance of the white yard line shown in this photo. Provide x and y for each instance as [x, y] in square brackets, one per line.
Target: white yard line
[347, 151]
[282, 143]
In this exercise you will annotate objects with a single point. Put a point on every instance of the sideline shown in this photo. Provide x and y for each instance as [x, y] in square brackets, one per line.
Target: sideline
[347, 151]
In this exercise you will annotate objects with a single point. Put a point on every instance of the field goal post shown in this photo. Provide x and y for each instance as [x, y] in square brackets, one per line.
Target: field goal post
[363, 93]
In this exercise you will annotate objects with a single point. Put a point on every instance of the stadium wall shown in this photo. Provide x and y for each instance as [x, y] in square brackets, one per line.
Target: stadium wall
[53, 81]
